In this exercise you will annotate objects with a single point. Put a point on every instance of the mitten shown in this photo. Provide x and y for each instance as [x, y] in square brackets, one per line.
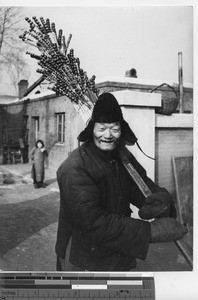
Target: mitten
[156, 205]
[166, 230]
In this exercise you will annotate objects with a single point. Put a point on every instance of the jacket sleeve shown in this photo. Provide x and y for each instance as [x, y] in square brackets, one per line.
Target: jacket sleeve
[32, 153]
[81, 199]
[46, 153]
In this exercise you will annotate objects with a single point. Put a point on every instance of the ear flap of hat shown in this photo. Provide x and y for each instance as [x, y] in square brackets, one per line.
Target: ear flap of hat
[87, 133]
[127, 134]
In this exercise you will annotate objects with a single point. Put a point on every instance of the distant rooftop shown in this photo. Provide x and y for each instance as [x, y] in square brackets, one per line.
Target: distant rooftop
[140, 81]
[5, 99]
[36, 95]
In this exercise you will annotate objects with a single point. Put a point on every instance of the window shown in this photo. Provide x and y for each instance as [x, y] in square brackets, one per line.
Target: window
[61, 128]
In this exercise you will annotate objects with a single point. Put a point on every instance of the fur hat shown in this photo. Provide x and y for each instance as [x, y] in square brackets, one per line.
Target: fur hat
[107, 110]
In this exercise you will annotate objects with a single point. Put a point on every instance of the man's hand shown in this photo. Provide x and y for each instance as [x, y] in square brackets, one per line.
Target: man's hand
[156, 205]
[166, 230]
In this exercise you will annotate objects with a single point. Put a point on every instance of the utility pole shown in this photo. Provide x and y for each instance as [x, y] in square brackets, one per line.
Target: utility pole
[180, 75]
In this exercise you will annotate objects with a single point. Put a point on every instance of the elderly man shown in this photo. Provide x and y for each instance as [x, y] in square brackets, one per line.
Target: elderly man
[96, 231]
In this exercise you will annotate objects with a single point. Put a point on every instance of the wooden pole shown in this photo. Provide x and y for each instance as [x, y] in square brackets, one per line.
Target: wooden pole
[135, 175]
[180, 75]
[32, 87]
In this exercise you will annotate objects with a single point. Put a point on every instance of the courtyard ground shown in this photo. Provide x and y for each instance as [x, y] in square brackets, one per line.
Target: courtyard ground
[28, 226]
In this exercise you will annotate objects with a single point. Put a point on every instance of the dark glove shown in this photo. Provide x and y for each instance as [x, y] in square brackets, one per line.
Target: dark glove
[156, 205]
[166, 230]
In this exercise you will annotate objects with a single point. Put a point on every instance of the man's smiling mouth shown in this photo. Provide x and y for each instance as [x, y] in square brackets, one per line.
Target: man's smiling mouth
[108, 142]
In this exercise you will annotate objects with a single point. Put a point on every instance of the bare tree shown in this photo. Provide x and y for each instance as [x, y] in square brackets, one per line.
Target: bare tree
[12, 49]
[10, 28]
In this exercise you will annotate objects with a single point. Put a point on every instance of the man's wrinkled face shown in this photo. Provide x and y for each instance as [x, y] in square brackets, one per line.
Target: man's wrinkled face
[106, 135]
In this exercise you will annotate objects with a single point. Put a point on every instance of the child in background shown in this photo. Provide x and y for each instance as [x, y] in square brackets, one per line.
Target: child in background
[38, 155]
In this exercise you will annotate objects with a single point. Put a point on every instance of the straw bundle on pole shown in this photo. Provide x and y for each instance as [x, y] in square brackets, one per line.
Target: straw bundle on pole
[58, 65]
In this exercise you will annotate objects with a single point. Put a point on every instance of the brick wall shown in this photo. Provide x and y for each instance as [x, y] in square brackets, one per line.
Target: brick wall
[171, 141]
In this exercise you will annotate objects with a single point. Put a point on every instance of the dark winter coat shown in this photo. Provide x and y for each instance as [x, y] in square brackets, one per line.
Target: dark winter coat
[95, 196]
[38, 159]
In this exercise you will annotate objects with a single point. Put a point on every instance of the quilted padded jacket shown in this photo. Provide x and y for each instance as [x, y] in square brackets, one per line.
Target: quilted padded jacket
[95, 196]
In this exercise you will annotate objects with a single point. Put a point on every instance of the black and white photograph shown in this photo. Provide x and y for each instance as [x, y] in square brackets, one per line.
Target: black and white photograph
[97, 138]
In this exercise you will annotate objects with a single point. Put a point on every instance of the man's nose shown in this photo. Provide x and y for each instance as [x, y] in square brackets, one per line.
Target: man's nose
[107, 133]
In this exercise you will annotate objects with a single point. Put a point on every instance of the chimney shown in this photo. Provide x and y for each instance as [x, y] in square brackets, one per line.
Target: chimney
[131, 73]
[23, 86]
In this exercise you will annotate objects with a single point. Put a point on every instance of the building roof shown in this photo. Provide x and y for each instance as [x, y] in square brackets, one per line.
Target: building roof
[123, 79]
[32, 95]
[5, 99]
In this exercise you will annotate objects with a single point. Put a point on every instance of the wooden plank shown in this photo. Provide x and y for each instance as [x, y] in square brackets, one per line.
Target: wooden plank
[183, 174]
[135, 175]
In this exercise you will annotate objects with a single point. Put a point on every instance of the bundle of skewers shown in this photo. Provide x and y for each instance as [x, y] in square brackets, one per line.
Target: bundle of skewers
[58, 65]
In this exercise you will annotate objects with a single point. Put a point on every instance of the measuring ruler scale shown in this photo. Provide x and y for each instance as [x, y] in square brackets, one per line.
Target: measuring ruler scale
[83, 285]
